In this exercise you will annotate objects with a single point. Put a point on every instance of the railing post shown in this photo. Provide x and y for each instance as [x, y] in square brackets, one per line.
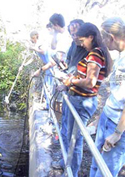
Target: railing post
[72, 145]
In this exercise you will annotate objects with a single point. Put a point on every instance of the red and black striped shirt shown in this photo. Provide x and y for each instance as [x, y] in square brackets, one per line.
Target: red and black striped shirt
[95, 56]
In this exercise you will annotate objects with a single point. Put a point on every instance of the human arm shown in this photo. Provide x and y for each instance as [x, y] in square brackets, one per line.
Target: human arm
[121, 124]
[38, 49]
[115, 137]
[44, 68]
[48, 65]
[90, 80]
[91, 77]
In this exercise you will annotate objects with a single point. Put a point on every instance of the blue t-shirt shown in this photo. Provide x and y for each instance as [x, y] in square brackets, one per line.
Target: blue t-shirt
[45, 59]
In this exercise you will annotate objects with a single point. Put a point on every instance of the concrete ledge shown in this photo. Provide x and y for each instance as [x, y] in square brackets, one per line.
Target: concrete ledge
[40, 132]
[40, 139]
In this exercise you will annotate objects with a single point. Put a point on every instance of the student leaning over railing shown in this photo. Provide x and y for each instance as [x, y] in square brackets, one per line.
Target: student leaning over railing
[75, 54]
[83, 87]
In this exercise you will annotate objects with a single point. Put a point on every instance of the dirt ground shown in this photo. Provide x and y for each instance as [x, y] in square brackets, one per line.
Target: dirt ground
[85, 166]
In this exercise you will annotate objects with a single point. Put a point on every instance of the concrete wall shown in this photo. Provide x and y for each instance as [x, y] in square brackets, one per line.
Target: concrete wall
[39, 135]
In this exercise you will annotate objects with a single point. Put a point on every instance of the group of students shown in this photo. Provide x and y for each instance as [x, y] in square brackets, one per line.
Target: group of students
[87, 63]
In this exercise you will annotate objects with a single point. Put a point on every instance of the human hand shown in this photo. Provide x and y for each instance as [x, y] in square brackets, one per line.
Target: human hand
[67, 81]
[111, 141]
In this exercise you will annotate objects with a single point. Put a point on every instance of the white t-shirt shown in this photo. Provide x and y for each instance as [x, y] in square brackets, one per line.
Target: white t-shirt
[116, 101]
[63, 42]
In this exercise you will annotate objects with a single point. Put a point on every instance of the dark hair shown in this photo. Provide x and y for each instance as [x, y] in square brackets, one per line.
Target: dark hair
[49, 25]
[57, 19]
[89, 29]
[75, 21]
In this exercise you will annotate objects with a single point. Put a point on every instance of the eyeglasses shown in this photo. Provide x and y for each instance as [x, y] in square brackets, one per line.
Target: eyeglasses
[81, 40]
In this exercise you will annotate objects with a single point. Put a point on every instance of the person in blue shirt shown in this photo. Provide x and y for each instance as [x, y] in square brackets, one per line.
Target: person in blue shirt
[43, 53]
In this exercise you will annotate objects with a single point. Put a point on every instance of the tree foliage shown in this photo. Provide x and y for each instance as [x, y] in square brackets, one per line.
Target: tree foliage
[9, 64]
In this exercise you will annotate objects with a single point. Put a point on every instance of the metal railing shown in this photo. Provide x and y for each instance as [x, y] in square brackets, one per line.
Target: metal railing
[77, 124]
[69, 171]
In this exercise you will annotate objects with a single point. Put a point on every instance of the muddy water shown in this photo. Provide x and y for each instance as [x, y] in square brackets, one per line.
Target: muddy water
[12, 162]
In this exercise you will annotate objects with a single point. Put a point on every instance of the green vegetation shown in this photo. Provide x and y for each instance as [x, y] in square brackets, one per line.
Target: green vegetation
[10, 61]
[9, 64]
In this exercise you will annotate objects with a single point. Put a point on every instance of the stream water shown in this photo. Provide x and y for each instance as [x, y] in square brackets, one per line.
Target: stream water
[13, 150]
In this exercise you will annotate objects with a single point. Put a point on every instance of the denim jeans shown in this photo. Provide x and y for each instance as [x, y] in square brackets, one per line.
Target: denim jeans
[64, 123]
[115, 158]
[48, 80]
[85, 107]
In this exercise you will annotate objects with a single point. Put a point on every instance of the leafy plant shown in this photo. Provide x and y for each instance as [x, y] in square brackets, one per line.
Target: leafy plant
[9, 64]
[10, 61]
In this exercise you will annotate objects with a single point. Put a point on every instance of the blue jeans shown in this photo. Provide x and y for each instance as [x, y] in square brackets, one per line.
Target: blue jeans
[115, 158]
[85, 107]
[48, 80]
[64, 123]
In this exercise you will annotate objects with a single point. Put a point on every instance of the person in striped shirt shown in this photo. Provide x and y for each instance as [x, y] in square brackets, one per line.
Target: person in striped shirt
[84, 85]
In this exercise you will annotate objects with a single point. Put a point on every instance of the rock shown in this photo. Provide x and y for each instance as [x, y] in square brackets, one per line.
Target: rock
[13, 107]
